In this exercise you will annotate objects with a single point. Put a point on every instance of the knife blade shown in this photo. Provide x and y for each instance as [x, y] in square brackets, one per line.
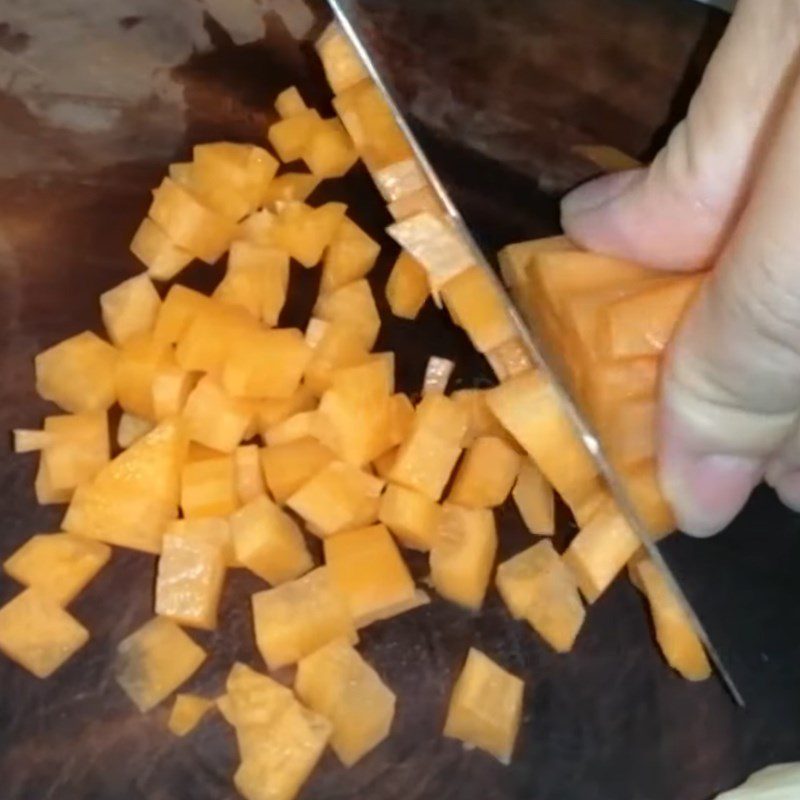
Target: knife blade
[465, 248]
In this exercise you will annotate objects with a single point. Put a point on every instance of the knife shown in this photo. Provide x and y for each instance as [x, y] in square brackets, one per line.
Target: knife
[464, 248]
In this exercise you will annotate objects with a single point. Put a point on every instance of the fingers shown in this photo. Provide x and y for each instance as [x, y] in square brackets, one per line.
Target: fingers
[676, 213]
[731, 388]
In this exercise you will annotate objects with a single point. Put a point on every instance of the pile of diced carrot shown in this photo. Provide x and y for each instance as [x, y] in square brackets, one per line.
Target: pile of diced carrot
[238, 438]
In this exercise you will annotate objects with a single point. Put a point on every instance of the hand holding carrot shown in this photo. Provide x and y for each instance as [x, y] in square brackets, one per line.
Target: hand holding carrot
[725, 190]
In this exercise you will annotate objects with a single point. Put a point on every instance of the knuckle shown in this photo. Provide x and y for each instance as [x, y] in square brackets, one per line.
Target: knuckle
[764, 298]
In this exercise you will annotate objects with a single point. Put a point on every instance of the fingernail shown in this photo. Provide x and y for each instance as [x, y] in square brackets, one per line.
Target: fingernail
[596, 194]
[707, 492]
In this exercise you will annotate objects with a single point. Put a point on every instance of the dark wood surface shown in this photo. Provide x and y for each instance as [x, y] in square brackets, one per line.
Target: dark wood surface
[608, 722]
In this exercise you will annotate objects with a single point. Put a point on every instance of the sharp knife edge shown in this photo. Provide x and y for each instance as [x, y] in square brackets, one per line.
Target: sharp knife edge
[538, 350]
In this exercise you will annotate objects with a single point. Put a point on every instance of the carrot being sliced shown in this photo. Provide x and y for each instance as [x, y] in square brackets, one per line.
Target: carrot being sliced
[609, 383]
[629, 435]
[535, 501]
[514, 258]
[600, 551]
[674, 632]
[642, 324]
[529, 408]
[641, 483]
[559, 275]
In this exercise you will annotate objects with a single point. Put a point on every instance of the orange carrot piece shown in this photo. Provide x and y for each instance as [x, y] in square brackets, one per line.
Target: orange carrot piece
[642, 324]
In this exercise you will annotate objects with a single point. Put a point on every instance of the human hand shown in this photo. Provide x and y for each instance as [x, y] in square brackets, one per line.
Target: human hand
[725, 190]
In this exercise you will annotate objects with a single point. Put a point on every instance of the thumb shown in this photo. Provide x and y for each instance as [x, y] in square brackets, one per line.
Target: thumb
[731, 386]
[676, 213]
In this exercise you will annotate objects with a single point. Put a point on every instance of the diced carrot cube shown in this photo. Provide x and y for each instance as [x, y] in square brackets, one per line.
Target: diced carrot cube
[258, 228]
[509, 359]
[529, 408]
[131, 428]
[131, 500]
[342, 65]
[189, 224]
[214, 531]
[350, 256]
[283, 759]
[476, 305]
[77, 448]
[288, 466]
[186, 713]
[269, 543]
[215, 419]
[410, 515]
[485, 707]
[427, 457]
[486, 474]
[46, 493]
[257, 279]
[290, 136]
[130, 309]
[383, 464]
[179, 309]
[336, 682]
[78, 373]
[163, 258]
[207, 341]
[154, 661]
[675, 634]
[295, 619]
[138, 364]
[227, 177]
[341, 346]
[272, 410]
[208, 488]
[38, 634]
[249, 476]
[353, 305]
[462, 555]
[538, 587]
[189, 581]
[600, 551]
[255, 704]
[535, 500]
[371, 125]
[642, 324]
[267, 363]
[338, 497]
[291, 187]
[298, 426]
[480, 420]
[171, 389]
[407, 288]
[367, 568]
[354, 425]
[330, 152]
[401, 418]
[305, 232]
[290, 103]
[57, 564]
